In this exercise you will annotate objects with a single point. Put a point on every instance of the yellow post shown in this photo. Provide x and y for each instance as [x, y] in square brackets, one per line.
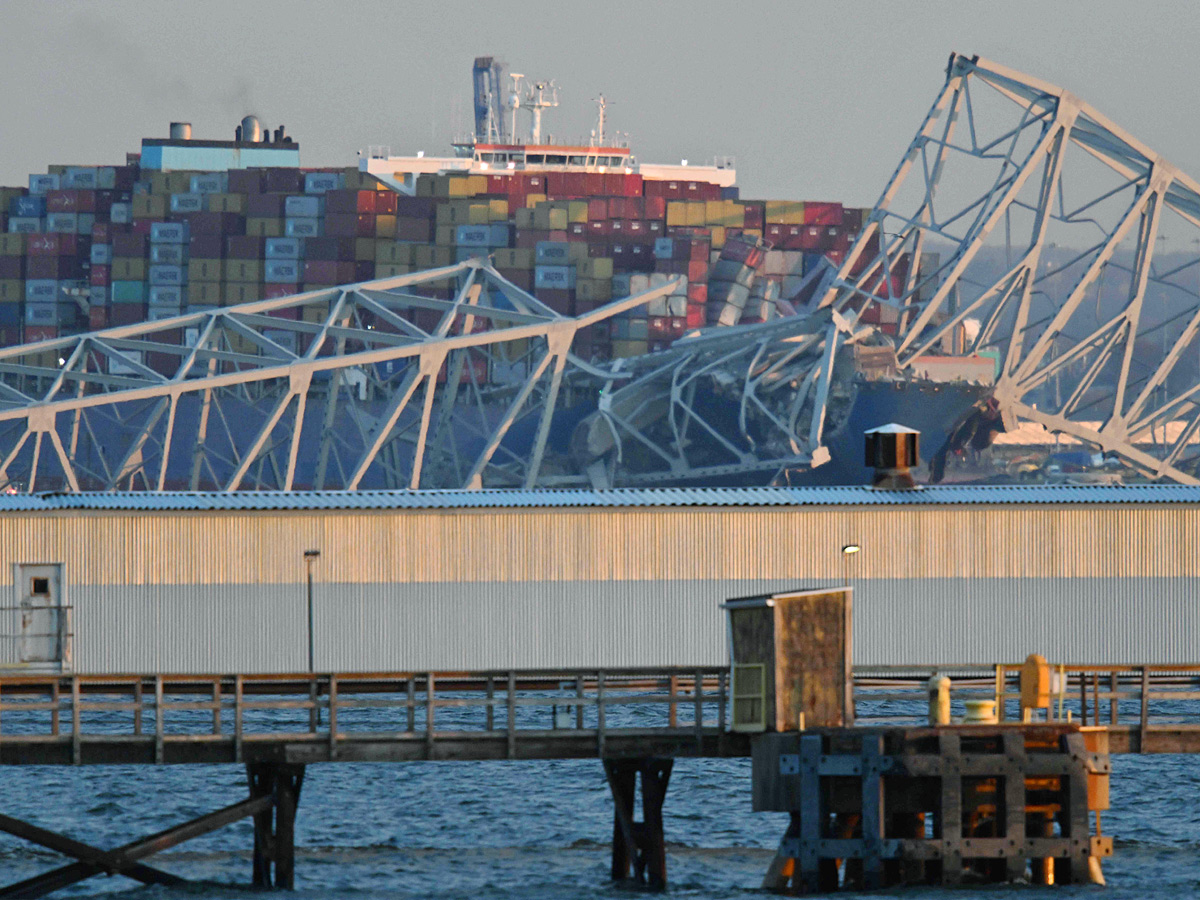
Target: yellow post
[939, 700]
[1035, 684]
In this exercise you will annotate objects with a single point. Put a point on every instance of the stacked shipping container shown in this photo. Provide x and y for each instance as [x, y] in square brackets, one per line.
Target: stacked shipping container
[87, 247]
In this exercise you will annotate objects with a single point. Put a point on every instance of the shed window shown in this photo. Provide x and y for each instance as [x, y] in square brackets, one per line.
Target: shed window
[40, 586]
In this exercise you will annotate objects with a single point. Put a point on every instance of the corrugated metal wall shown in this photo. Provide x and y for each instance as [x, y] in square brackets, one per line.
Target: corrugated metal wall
[416, 589]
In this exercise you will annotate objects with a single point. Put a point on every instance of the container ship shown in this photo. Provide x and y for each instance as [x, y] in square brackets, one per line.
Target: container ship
[189, 224]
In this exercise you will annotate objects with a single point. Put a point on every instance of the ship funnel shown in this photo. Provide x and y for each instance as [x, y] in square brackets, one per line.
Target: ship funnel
[892, 450]
[181, 131]
[252, 130]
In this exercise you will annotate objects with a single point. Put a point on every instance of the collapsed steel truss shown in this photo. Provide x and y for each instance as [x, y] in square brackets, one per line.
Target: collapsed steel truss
[1023, 213]
[368, 385]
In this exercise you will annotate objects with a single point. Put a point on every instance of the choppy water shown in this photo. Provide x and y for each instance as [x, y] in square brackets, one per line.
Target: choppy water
[518, 830]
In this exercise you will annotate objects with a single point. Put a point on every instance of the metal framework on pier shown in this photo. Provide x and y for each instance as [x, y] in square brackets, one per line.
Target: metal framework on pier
[1023, 222]
[367, 385]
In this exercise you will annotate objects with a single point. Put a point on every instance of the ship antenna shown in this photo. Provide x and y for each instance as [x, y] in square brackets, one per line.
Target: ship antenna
[601, 105]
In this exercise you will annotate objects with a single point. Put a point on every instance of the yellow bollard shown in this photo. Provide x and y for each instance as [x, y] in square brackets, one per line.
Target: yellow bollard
[939, 700]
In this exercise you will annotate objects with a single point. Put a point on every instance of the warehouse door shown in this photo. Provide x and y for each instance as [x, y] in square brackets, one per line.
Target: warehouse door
[44, 637]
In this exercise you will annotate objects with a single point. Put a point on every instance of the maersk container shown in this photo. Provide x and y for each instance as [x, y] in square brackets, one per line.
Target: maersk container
[43, 290]
[29, 206]
[664, 248]
[169, 311]
[167, 276]
[321, 182]
[166, 295]
[282, 271]
[209, 183]
[168, 233]
[187, 203]
[168, 254]
[81, 178]
[284, 248]
[101, 254]
[50, 313]
[553, 252]
[473, 236]
[302, 228]
[25, 225]
[554, 277]
[303, 207]
[42, 184]
[62, 223]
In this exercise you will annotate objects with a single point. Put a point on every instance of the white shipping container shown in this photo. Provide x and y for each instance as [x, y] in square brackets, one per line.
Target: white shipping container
[321, 182]
[42, 184]
[168, 233]
[166, 295]
[639, 283]
[187, 203]
[303, 207]
[282, 271]
[302, 228]
[106, 178]
[158, 313]
[41, 289]
[121, 213]
[97, 296]
[84, 223]
[284, 248]
[25, 225]
[101, 254]
[167, 275]
[62, 223]
[677, 305]
[209, 183]
[80, 178]
[117, 367]
[657, 307]
[168, 254]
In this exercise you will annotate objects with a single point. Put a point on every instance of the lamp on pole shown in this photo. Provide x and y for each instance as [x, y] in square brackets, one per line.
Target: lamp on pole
[310, 557]
[848, 550]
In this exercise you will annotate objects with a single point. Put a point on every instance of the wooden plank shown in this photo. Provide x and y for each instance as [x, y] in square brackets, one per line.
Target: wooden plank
[158, 719]
[76, 729]
[808, 863]
[238, 687]
[1145, 716]
[950, 809]
[333, 717]
[1014, 802]
[510, 723]
[430, 706]
[873, 811]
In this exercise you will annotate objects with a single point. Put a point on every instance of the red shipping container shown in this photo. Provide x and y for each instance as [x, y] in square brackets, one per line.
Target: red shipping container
[97, 317]
[328, 248]
[341, 224]
[597, 209]
[385, 203]
[102, 231]
[98, 276]
[599, 229]
[575, 184]
[366, 225]
[216, 223]
[129, 245]
[364, 270]
[499, 184]
[264, 206]
[811, 238]
[241, 246]
[211, 246]
[818, 213]
[558, 300]
[522, 278]
[535, 184]
[10, 335]
[697, 293]
[593, 184]
[35, 333]
[654, 188]
[614, 183]
[852, 219]
[619, 228]
[245, 181]
[598, 248]
[556, 235]
[12, 267]
[527, 238]
[697, 270]
[577, 231]
[754, 214]
[52, 245]
[658, 327]
[695, 315]
[773, 234]
[416, 207]
[70, 201]
[556, 184]
[655, 208]
[321, 271]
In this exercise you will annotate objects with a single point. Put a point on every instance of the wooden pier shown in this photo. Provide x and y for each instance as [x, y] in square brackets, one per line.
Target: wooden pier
[635, 721]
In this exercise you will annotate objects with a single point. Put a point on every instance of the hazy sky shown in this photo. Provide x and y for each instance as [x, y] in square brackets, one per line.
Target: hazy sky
[814, 100]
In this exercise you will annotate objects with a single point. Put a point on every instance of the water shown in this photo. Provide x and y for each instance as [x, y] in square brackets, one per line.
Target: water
[518, 830]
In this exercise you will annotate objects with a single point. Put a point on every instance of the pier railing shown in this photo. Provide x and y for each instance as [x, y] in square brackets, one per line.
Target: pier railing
[432, 715]
[521, 714]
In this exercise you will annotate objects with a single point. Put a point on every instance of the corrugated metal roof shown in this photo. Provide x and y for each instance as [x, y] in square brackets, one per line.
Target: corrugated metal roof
[938, 495]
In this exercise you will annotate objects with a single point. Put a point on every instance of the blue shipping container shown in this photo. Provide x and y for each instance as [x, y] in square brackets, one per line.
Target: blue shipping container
[31, 206]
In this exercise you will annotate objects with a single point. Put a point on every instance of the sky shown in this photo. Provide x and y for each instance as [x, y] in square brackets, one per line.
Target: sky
[813, 100]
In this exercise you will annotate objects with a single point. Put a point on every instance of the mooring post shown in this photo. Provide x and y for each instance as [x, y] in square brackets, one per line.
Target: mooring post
[639, 845]
[261, 780]
[274, 862]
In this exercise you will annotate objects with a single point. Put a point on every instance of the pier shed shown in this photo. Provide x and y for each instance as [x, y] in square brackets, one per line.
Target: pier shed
[447, 580]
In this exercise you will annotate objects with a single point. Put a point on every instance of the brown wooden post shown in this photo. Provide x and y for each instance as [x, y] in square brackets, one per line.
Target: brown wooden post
[656, 774]
[1145, 718]
[430, 682]
[1113, 685]
[288, 780]
[622, 782]
[138, 703]
[673, 711]
[490, 723]
[261, 779]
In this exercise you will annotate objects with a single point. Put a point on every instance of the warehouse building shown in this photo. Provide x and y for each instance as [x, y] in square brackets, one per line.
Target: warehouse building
[191, 583]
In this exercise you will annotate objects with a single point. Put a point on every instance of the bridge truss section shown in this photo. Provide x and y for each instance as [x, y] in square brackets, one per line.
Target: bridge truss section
[1023, 223]
[442, 379]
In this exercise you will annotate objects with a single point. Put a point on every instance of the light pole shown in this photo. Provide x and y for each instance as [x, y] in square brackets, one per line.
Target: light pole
[310, 557]
[848, 550]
